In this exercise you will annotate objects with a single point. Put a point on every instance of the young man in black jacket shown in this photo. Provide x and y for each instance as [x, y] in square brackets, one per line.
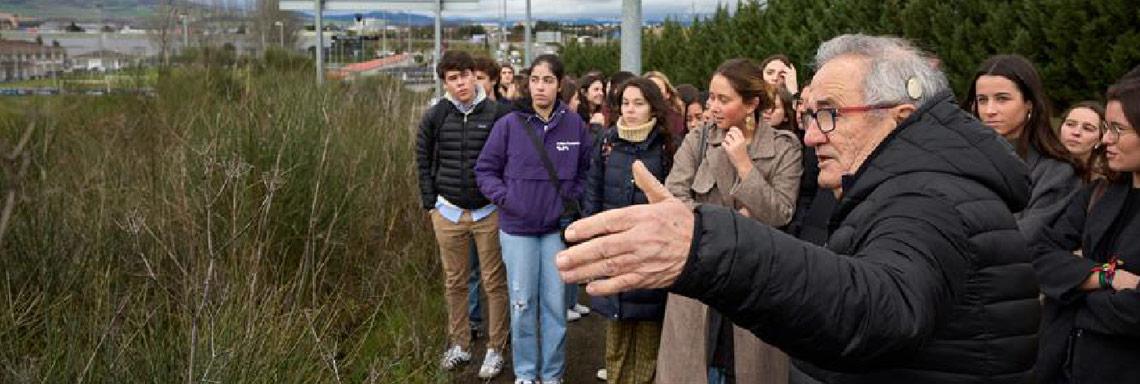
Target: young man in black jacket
[925, 278]
[451, 135]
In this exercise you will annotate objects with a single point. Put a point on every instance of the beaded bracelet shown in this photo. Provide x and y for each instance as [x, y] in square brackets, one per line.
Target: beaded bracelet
[1105, 272]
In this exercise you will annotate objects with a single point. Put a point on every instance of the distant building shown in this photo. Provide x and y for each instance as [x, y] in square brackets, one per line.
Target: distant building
[103, 61]
[548, 37]
[22, 60]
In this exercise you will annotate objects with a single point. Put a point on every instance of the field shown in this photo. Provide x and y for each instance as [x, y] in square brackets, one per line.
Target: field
[241, 225]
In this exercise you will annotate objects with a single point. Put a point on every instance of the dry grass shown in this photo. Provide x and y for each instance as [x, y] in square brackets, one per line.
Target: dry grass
[241, 226]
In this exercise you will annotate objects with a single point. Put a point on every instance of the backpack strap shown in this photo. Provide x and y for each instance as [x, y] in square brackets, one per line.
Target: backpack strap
[567, 203]
[437, 118]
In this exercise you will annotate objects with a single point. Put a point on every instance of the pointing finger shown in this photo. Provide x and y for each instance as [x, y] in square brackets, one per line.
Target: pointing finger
[654, 190]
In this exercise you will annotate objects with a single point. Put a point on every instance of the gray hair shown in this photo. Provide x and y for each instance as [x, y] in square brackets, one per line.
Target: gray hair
[893, 62]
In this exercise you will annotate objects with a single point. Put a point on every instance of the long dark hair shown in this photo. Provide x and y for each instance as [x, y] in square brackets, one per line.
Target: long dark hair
[614, 98]
[525, 102]
[747, 79]
[551, 60]
[1127, 92]
[585, 108]
[1038, 132]
[657, 105]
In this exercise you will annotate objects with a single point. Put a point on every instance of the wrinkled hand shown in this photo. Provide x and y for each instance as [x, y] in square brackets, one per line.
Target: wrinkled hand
[1124, 280]
[638, 247]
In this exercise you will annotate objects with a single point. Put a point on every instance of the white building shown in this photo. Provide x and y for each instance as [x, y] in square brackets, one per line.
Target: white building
[103, 61]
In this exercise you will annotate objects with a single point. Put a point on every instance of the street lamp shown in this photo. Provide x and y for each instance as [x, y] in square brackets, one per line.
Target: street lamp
[280, 32]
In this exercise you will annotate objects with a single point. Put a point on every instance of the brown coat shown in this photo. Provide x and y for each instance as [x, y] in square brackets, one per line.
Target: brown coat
[769, 193]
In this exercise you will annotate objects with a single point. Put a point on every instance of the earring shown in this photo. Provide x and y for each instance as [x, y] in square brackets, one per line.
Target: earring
[1029, 116]
[750, 123]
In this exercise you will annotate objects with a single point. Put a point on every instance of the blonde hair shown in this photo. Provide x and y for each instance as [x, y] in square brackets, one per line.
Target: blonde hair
[674, 99]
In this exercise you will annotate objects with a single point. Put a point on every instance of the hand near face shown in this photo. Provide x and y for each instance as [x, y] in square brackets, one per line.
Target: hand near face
[638, 247]
[598, 118]
[789, 77]
[737, 147]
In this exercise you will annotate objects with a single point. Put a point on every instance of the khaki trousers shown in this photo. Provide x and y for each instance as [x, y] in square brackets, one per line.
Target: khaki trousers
[454, 241]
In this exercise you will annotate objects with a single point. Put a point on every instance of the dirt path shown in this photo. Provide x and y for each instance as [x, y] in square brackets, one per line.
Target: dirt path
[585, 353]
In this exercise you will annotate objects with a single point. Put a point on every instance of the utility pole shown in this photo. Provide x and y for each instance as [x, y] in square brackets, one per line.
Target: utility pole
[503, 49]
[528, 56]
[320, 5]
[631, 36]
[438, 43]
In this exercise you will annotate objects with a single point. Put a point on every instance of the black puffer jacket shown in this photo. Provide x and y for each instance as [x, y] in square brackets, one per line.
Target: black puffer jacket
[610, 186]
[1090, 336]
[925, 278]
[447, 147]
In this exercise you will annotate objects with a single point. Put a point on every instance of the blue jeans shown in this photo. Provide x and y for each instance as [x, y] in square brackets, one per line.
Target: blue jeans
[538, 305]
[717, 376]
[474, 305]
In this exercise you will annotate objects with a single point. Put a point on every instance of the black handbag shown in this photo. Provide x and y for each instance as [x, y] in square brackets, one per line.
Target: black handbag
[571, 210]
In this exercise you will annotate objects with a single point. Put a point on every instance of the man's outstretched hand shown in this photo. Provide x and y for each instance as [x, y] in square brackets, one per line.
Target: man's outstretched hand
[637, 247]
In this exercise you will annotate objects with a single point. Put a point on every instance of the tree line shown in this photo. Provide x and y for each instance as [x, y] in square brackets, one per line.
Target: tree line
[1079, 46]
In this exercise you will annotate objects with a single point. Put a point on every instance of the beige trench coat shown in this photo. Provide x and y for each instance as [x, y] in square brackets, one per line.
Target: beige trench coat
[769, 193]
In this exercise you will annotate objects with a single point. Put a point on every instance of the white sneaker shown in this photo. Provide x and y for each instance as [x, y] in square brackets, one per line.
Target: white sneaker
[492, 365]
[454, 357]
[572, 316]
[602, 374]
[581, 309]
[552, 381]
[521, 381]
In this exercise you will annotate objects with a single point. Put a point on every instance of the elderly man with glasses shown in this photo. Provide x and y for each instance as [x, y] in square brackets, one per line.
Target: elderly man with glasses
[925, 278]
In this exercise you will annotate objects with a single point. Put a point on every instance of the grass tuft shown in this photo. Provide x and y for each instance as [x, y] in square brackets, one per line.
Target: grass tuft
[242, 225]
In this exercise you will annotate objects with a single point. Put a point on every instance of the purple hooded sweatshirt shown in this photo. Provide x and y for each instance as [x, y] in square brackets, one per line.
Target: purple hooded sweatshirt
[510, 172]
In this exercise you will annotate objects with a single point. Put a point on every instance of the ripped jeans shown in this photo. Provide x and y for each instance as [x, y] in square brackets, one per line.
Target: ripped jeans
[537, 304]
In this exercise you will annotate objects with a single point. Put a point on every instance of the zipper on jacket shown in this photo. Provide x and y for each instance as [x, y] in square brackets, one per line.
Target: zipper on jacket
[1071, 353]
[463, 156]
